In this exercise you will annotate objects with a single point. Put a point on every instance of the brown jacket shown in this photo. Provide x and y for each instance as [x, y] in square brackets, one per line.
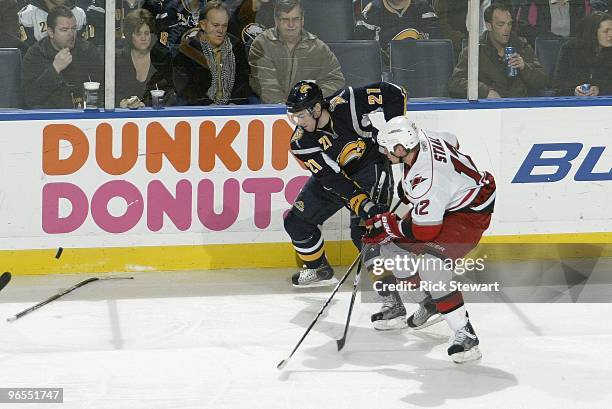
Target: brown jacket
[275, 69]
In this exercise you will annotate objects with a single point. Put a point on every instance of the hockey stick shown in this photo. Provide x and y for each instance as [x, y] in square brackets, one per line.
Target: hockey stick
[61, 294]
[340, 342]
[283, 363]
[4, 279]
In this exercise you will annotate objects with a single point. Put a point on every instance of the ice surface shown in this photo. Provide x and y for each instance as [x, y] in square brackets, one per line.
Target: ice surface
[213, 339]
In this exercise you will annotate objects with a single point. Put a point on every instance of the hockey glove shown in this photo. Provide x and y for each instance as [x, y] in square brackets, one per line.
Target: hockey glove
[401, 195]
[382, 229]
[369, 209]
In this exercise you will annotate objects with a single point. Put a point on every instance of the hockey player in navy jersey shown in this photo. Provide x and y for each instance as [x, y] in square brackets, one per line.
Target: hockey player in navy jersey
[335, 140]
[452, 206]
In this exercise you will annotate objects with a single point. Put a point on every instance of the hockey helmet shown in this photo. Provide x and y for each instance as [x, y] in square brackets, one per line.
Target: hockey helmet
[304, 95]
[399, 131]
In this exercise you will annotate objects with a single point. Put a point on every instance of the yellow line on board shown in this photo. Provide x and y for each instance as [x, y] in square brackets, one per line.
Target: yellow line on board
[270, 255]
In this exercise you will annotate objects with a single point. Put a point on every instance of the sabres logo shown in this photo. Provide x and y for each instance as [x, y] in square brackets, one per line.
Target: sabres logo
[351, 151]
[335, 101]
[297, 134]
[418, 179]
[304, 88]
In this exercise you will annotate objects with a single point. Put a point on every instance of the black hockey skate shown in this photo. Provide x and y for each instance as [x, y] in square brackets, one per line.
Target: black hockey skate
[424, 316]
[464, 347]
[392, 314]
[314, 277]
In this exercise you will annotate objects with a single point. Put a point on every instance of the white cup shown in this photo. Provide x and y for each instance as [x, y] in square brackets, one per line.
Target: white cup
[156, 98]
[91, 95]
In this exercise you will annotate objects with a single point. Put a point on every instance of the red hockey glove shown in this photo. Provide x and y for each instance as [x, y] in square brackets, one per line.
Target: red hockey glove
[382, 229]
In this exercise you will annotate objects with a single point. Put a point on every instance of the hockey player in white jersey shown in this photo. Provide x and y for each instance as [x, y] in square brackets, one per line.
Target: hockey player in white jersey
[452, 206]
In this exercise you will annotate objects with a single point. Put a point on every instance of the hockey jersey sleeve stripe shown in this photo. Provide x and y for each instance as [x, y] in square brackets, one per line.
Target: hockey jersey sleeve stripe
[331, 163]
[356, 127]
[305, 151]
[470, 195]
[486, 203]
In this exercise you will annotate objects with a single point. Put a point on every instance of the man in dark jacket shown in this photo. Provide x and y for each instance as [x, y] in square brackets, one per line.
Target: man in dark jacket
[211, 67]
[493, 81]
[55, 68]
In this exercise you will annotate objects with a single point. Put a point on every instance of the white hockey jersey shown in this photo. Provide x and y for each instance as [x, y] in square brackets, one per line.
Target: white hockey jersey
[442, 180]
[33, 20]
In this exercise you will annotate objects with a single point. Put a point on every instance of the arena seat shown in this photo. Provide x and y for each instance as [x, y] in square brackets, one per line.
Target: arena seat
[360, 61]
[422, 67]
[10, 78]
[329, 20]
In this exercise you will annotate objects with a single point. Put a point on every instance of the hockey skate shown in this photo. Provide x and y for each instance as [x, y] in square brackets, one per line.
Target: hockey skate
[464, 347]
[392, 314]
[424, 316]
[314, 277]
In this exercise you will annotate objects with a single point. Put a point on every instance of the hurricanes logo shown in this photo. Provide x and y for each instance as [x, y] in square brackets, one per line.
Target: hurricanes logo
[304, 88]
[417, 180]
[352, 150]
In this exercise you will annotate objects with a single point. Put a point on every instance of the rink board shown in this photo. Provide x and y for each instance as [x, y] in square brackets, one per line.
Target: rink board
[207, 188]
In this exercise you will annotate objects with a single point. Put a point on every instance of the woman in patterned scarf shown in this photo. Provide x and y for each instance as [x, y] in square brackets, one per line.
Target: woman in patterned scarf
[211, 67]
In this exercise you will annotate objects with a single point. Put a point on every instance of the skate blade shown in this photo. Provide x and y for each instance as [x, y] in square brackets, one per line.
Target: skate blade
[322, 283]
[429, 322]
[473, 354]
[390, 325]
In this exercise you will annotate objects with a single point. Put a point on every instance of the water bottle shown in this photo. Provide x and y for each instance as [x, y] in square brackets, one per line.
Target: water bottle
[510, 71]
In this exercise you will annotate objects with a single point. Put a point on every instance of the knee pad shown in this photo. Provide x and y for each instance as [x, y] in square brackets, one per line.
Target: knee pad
[298, 228]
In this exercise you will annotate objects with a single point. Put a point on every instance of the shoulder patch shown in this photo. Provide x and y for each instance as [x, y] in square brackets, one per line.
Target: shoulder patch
[297, 134]
[335, 101]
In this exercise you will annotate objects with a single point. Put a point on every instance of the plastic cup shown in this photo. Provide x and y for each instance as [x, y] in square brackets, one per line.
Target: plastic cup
[157, 96]
[91, 95]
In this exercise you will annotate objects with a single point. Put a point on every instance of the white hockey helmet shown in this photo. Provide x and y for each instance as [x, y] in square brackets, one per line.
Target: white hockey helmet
[399, 131]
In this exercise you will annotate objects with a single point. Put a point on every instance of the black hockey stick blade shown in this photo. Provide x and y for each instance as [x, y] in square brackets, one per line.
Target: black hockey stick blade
[281, 364]
[62, 293]
[340, 342]
[4, 279]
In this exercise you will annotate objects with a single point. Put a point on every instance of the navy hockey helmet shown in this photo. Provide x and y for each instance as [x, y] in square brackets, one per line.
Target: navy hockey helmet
[304, 95]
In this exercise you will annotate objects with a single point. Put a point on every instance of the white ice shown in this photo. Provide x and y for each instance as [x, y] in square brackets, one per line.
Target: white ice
[213, 339]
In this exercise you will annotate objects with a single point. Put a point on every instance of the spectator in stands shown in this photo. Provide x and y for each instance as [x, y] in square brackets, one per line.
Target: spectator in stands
[587, 59]
[10, 36]
[286, 54]
[211, 66]
[492, 79]
[249, 12]
[178, 17]
[453, 15]
[383, 20]
[549, 18]
[144, 64]
[55, 68]
[33, 18]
